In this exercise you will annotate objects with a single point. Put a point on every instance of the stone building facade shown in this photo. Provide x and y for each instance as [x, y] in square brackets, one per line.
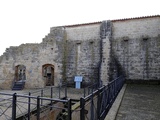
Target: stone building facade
[92, 50]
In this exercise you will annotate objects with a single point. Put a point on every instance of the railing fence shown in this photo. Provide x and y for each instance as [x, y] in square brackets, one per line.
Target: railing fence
[94, 105]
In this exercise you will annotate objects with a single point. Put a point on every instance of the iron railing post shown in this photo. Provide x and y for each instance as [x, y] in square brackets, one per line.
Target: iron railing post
[98, 104]
[116, 87]
[69, 110]
[59, 92]
[14, 100]
[29, 107]
[82, 106]
[66, 91]
[84, 91]
[113, 90]
[108, 94]
[51, 97]
[38, 108]
[92, 107]
[42, 96]
[88, 90]
[51, 92]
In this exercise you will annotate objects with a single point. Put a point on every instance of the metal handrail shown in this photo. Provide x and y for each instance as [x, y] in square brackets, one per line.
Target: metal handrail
[104, 96]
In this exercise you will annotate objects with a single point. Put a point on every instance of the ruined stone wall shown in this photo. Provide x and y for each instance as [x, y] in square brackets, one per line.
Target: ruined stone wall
[33, 56]
[88, 50]
[54, 43]
[83, 53]
[24, 54]
[71, 50]
[136, 46]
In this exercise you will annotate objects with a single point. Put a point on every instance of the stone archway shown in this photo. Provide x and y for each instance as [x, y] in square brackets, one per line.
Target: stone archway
[48, 74]
[20, 72]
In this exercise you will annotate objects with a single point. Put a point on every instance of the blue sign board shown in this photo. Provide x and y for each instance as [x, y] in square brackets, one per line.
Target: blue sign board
[78, 80]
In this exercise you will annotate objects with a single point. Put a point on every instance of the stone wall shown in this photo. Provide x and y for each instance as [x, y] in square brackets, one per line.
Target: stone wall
[136, 46]
[73, 51]
[83, 53]
[83, 32]
[95, 51]
[33, 56]
[136, 28]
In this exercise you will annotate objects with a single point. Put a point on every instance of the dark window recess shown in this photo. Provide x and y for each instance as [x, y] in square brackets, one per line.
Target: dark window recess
[91, 42]
[145, 39]
[125, 38]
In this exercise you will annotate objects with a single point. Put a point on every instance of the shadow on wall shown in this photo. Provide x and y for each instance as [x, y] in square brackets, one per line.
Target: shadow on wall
[115, 69]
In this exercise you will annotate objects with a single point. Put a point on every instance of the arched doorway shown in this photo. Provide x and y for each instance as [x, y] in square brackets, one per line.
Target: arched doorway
[20, 72]
[48, 74]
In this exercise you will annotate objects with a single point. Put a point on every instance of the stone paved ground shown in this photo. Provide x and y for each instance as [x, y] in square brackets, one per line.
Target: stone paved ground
[140, 102]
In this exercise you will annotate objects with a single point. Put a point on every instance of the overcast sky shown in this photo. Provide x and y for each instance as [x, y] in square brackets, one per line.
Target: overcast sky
[28, 21]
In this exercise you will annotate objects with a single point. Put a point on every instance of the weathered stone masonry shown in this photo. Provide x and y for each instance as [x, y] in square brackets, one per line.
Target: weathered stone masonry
[83, 52]
[95, 51]
[136, 46]
[106, 30]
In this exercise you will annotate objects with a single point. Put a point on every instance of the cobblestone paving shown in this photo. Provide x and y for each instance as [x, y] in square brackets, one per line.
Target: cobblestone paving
[140, 102]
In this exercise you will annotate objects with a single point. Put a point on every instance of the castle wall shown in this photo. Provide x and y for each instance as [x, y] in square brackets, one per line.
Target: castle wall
[136, 46]
[92, 51]
[33, 57]
[83, 53]
[84, 32]
[136, 28]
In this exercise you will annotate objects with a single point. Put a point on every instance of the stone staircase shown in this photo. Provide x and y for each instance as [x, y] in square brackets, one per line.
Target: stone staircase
[19, 85]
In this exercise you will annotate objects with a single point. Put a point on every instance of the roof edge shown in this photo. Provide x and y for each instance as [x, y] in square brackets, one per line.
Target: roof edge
[134, 18]
[116, 20]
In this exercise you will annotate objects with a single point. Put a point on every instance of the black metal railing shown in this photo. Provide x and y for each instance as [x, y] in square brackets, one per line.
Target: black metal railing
[96, 105]
[90, 89]
[25, 107]
[13, 106]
